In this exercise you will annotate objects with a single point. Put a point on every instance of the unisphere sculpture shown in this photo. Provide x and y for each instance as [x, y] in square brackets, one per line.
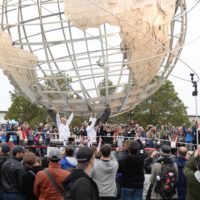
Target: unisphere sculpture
[89, 55]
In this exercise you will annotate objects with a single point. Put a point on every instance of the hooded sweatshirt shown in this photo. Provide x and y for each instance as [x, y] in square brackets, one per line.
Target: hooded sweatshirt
[193, 180]
[104, 174]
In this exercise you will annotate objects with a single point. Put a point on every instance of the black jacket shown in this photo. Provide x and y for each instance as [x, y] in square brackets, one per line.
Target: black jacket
[28, 182]
[12, 171]
[3, 159]
[131, 168]
[78, 186]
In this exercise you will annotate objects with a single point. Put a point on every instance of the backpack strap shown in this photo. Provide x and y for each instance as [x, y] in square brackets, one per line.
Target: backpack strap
[51, 178]
[32, 172]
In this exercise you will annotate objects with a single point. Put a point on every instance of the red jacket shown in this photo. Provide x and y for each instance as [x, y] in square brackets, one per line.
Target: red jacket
[44, 189]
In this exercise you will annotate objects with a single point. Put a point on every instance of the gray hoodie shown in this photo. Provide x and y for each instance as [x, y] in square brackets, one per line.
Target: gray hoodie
[104, 174]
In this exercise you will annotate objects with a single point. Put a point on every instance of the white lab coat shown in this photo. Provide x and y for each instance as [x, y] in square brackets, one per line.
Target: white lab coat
[63, 130]
[91, 131]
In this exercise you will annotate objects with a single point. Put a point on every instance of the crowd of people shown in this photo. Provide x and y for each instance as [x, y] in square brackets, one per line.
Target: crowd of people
[153, 136]
[95, 173]
[98, 161]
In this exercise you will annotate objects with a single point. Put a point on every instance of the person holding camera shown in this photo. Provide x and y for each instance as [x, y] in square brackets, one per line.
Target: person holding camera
[192, 173]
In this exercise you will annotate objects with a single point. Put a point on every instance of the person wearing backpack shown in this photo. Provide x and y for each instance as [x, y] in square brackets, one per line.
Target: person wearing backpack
[79, 185]
[164, 176]
[32, 165]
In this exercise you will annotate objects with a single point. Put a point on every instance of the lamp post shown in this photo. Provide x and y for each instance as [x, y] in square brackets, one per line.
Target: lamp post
[195, 94]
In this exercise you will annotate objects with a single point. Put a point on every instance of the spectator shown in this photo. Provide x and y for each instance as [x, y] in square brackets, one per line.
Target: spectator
[3, 135]
[193, 177]
[4, 156]
[181, 137]
[48, 183]
[107, 134]
[68, 161]
[45, 162]
[125, 150]
[31, 163]
[78, 185]
[181, 161]
[12, 172]
[20, 135]
[104, 174]
[152, 156]
[188, 137]
[132, 173]
[173, 143]
[157, 167]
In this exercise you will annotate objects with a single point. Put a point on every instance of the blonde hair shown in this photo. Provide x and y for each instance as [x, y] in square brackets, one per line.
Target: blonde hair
[126, 144]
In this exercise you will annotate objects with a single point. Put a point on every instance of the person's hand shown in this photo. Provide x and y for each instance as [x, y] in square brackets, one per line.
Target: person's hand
[188, 156]
[197, 152]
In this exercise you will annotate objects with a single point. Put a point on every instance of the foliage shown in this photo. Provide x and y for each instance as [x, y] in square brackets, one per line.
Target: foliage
[164, 106]
[78, 120]
[60, 79]
[102, 87]
[23, 110]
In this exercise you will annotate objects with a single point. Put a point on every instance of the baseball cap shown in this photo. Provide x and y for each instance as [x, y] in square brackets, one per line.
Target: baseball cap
[54, 154]
[84, 155]
[17, 149]
[165, 151]
[5, 148]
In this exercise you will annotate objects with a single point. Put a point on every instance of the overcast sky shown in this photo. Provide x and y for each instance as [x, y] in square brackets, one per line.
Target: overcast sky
[190, 54]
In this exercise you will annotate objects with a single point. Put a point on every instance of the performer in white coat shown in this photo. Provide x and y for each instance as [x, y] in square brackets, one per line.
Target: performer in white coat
[91, 130]
[63, 126]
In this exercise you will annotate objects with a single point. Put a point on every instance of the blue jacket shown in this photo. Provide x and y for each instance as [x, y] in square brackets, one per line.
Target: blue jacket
[188, 135]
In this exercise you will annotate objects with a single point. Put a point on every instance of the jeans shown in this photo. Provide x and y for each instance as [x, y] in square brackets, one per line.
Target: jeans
[13, 196]
[131, 194]
[108, 198]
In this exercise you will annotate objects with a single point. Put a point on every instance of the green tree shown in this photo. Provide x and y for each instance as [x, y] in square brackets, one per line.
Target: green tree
[164, 106]
[23, 110]
[63, 81]
[102, 87]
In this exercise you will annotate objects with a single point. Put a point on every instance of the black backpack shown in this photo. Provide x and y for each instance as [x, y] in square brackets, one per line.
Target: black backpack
[167, 183]
[68, 192]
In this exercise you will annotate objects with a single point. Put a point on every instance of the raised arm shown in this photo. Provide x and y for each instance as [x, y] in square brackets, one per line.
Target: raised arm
[99, 145]
[93, 122]
[57, 119]
[70, 118]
